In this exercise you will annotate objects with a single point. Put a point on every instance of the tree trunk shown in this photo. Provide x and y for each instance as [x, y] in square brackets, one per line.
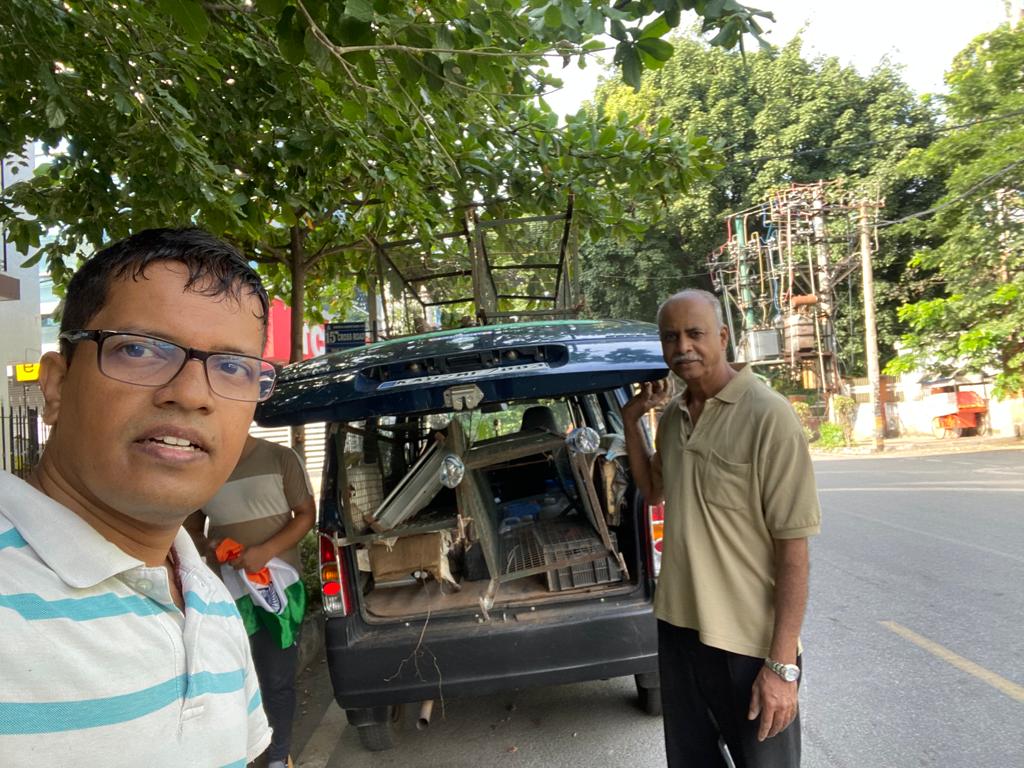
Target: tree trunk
[297, 266]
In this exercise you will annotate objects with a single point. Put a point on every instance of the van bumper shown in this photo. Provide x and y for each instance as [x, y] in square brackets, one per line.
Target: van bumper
[379, 665]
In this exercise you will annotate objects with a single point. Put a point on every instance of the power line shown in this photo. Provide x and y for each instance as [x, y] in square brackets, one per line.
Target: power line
[991, 177]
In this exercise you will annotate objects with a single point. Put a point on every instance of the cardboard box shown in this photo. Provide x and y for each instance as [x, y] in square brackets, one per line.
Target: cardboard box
[425, 553]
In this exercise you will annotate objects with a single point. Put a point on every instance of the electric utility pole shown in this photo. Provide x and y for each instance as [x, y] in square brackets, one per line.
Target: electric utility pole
[870, 330]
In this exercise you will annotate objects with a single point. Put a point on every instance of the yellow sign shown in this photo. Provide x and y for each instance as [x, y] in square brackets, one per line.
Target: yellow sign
[26, 372]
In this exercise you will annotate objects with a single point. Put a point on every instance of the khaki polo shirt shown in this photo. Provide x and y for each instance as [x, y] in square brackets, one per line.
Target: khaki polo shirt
[736, 481]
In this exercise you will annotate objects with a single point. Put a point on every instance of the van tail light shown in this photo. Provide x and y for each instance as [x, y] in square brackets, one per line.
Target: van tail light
[656, 528]
[334, 581]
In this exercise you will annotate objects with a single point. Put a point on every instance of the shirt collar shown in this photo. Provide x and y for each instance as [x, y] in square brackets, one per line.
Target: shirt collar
[731, 392]
[71, 547]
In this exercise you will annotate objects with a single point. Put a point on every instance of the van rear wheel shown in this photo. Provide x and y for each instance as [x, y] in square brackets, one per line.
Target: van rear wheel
[376, 737]
[648, 696]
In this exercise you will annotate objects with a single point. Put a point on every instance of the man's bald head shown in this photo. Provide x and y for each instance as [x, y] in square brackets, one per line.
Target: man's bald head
[695, 293]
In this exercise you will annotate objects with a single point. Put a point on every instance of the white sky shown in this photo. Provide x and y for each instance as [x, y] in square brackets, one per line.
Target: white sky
[921, 35]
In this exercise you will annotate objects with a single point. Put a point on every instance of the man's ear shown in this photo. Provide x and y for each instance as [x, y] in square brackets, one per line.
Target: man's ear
[53, 370]
[723, 334]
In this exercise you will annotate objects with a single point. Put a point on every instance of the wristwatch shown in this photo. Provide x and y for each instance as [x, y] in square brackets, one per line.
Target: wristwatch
[788, 672]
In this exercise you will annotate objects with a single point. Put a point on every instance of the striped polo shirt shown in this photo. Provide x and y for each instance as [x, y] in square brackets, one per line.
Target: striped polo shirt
[98, 667]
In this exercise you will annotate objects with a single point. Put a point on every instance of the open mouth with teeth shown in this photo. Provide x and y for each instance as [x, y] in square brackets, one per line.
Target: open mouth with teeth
[175, 442]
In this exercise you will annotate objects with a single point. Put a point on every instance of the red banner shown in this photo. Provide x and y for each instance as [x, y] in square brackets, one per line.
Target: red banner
[279, 329]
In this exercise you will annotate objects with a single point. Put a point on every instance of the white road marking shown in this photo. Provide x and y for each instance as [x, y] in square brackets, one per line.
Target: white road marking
[324, 740]
[920, 489]
[998, 682]
[918, 532]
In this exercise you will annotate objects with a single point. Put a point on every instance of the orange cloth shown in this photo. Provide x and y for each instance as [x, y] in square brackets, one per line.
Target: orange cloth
[229, 549]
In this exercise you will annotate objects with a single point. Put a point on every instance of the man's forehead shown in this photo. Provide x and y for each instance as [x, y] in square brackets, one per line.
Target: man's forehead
[689, 311]
[149, 303]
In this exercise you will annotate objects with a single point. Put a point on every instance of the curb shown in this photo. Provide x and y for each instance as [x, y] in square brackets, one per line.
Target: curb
[902, 447]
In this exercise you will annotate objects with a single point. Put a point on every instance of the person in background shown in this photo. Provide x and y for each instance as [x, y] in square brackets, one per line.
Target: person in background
[734, 471]
[120, 647]
[266, 506]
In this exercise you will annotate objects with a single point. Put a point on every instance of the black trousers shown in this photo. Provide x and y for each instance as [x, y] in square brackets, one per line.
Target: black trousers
[275, 669]
[705, 695]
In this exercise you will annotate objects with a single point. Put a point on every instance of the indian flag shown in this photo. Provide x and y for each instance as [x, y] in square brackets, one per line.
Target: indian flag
[277, 603]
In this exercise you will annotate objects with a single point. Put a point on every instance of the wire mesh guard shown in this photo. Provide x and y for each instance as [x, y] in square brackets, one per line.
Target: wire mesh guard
[570, 554]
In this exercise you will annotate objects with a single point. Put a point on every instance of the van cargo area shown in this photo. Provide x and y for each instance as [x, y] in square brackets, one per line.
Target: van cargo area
[476, 511]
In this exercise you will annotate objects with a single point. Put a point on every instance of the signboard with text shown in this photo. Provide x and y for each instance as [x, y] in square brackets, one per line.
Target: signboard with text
[339, 336]
[24, 372]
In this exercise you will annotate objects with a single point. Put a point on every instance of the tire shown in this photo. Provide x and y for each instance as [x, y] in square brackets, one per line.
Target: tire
[376, 737]
[938, 430]
[984, 425]
[649, 698]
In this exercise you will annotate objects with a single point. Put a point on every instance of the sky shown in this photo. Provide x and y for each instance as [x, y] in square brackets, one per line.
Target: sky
[921, 35]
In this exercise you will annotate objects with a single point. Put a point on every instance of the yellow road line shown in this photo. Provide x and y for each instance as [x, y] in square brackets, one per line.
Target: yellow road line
[998, 682]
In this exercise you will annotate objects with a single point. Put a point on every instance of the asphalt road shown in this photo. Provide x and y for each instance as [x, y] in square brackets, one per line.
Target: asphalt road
[914, 644]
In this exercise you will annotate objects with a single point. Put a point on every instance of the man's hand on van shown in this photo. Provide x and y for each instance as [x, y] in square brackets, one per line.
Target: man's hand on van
[652, 394]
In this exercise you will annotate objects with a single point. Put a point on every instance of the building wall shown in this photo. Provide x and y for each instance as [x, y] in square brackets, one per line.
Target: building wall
[20, 332]
[20, 335]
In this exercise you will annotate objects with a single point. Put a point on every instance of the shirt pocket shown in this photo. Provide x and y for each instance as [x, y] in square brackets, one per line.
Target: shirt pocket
[725, 484]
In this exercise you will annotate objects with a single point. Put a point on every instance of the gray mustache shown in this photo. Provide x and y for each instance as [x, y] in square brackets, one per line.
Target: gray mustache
[685, 359]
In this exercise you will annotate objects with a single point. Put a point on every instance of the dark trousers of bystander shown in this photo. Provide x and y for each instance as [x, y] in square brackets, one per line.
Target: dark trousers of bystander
[275, 669]
[705, 695]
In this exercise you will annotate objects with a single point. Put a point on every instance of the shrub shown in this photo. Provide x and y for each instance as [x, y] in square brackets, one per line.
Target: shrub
[309, 556]
[830, 436]
[845, 409]
[803, 412]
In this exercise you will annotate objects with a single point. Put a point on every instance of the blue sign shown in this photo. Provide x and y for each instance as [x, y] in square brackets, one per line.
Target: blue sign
[339, 336]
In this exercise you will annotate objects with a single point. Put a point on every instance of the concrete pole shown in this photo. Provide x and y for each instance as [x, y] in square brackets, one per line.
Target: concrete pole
[870, 329]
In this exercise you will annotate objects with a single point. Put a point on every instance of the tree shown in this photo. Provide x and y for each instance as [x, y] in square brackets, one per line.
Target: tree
[976, 323]
[305, 129]
[778, 118]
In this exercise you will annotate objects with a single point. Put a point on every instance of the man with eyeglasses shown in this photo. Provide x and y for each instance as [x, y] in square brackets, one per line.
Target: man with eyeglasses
[120, 647]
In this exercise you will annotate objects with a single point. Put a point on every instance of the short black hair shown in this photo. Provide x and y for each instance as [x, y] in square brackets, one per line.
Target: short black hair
[216, 267]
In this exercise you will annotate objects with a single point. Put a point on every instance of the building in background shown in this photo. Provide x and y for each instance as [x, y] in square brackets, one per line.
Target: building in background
[20, 336]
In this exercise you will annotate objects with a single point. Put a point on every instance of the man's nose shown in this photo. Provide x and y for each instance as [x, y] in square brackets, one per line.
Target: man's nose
[189, 389]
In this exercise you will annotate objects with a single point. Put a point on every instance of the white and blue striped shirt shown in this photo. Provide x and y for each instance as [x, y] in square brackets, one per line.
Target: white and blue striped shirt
[98, 667]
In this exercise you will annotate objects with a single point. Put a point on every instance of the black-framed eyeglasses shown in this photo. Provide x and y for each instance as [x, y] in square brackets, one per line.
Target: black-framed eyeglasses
[149, 361]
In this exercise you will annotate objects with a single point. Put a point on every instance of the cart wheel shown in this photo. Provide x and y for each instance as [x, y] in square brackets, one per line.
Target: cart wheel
[984, 426]
[937, 429]
[955, 432]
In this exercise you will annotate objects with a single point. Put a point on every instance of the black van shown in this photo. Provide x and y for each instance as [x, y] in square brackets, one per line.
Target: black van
[479, 530]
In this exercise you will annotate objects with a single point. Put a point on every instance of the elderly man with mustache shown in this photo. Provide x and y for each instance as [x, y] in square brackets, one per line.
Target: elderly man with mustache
[733, 469]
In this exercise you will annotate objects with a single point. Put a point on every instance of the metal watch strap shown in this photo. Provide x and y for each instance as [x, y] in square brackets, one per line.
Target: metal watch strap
[788, 672]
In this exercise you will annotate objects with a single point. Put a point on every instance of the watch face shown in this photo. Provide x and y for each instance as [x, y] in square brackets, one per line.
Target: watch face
[790, 673]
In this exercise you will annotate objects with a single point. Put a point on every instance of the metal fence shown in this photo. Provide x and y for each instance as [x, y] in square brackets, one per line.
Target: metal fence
[22, 437]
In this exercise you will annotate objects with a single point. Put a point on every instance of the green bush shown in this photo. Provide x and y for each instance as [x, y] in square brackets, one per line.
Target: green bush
[803, 412]
[845, 409]
[309, 556]
[830, 436]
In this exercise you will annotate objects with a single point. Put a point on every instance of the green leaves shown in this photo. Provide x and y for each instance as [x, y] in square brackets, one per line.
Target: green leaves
[291, 36]
[974, 242]
[265, 123]
[190, 17]
[361, 10]
[654, 52]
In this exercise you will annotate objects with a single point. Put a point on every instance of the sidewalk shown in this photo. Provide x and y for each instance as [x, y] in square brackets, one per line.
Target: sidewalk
[921, 445]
